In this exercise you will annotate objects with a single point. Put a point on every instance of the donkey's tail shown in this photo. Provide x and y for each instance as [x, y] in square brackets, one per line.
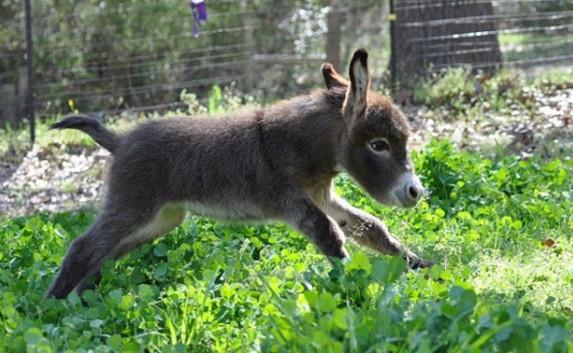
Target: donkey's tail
[104, 137]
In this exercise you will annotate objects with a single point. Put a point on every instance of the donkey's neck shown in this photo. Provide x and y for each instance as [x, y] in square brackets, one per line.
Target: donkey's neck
[303, 135]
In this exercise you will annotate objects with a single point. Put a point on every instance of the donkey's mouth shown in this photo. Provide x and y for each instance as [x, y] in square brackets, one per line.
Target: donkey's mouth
[403, 200]
[409, 191]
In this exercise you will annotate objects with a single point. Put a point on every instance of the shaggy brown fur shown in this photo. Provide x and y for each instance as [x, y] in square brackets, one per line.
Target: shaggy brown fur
[274, 163]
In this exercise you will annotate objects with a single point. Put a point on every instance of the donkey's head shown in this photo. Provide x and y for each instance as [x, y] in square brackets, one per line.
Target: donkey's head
[375, 149]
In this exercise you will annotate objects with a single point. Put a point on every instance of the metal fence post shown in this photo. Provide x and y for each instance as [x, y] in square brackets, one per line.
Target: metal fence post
[30, 67]
[392, 19]
[249, 39]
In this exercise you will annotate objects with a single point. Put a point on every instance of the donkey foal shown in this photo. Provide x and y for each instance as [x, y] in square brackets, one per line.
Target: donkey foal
[274, 163]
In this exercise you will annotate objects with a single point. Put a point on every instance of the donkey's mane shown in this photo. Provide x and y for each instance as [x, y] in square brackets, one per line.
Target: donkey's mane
[334, 95]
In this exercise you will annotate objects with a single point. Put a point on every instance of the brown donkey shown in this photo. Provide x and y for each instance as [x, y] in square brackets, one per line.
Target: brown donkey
[274, 163]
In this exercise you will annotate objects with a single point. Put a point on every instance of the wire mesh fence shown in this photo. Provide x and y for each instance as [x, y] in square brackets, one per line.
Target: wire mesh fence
[115, 56]
[433, 35]
[118, 55]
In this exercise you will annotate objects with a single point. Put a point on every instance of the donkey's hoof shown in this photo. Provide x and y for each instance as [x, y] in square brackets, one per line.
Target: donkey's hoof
[416, 264]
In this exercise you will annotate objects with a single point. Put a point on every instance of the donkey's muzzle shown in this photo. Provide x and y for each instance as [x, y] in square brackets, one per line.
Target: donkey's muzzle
[413, 192]
[410, 191]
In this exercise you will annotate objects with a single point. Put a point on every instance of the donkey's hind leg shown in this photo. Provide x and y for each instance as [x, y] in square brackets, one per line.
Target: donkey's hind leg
[168, 218]
[87, 253]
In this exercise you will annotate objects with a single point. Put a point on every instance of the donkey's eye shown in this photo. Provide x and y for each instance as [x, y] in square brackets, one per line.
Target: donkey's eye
[379, 145]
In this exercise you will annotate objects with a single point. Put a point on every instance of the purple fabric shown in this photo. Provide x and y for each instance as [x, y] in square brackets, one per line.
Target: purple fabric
[199, 10]
[202, 10]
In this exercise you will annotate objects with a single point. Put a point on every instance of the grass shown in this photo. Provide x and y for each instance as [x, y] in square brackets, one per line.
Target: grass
[468, 95]
[500, 230]
[524, 46]
[555, 78]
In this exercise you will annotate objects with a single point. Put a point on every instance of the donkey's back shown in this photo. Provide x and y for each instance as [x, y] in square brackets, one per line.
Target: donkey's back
[213, 167]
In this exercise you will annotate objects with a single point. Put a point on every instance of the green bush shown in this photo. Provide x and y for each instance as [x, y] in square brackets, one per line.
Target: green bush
[453, 88]
[467, 93]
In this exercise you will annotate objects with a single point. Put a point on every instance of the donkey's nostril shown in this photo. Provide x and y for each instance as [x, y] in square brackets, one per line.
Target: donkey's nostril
[413, 192]
[410, 191]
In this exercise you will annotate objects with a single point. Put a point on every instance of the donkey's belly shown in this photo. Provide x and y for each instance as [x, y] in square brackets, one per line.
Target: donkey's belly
[225, 211]
[172, 214]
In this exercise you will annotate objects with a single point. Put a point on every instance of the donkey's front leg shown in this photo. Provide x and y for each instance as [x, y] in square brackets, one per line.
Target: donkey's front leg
[310, 220]
[368, 230]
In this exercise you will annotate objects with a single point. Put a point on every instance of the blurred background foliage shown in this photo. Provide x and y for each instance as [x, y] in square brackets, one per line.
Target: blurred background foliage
[116, 55]
[133, 53]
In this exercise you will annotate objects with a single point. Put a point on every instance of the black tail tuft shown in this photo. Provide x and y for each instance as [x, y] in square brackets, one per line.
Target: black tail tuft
[104, 137]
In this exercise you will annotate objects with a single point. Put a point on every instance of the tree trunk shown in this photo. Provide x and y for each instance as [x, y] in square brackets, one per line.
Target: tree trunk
[440, 34]
[334, 34]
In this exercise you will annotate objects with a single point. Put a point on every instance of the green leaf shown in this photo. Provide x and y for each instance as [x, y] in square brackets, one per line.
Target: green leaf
[116, 294]
[360, 262]
[326, 302]
[160, 270]
[160, 250]
[115, 342]
[553, 339]
[131, 347]
[339, 318]
[97, 323]
[33, 335]
[389, 271]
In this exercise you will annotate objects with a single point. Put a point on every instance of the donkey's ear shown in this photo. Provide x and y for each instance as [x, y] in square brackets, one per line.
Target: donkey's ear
[331, 77]
[356, 98]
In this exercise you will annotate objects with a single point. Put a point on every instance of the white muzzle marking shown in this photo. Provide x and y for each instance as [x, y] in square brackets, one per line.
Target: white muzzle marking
[408, 190]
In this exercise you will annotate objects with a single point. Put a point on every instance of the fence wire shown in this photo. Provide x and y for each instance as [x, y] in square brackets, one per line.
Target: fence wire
[138, 56]
[434, 35]
[115, 57]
